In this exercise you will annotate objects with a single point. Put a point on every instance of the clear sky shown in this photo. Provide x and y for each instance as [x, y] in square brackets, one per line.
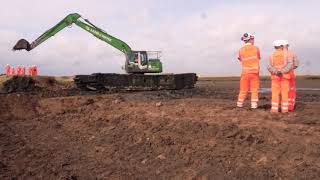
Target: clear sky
[201, 36]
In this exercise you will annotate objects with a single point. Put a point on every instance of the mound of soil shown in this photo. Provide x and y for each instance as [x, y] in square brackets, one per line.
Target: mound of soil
[37, 84]
[19, 84]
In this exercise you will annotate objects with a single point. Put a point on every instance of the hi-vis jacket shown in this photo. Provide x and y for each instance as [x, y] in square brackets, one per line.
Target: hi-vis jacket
[249, 55]
[279, 62]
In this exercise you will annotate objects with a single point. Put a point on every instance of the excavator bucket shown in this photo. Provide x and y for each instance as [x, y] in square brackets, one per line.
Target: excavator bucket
[22, 44]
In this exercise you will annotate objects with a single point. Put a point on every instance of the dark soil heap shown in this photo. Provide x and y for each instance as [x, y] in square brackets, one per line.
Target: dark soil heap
[19, 84]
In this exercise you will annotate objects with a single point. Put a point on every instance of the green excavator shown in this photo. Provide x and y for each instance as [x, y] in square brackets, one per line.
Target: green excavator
[143, 68]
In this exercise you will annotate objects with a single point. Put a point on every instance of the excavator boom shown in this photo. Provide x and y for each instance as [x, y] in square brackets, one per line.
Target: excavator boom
[68, 21]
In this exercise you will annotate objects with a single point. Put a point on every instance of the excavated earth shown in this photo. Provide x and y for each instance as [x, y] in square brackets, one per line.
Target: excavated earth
[54, 132]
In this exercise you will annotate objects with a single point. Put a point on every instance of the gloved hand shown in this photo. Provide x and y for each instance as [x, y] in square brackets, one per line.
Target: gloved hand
[279, 73]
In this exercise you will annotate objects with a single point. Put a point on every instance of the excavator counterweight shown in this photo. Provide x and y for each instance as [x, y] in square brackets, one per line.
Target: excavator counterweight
[139, 64]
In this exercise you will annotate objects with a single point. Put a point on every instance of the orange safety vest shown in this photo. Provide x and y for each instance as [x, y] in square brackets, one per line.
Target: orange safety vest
[249, 56]
[279, 60]
[8, 70]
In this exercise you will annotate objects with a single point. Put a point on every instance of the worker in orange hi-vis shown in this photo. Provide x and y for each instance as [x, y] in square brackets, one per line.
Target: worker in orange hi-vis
[30, 71]
[279, 66]
[249, 56]
[7, 70]
[292, 83]
[13, 71]
[23, 71]
[35, 70]
[18, 70]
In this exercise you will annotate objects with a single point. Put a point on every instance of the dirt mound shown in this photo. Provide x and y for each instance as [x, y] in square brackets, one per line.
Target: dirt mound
[19, 84]
[36, 84]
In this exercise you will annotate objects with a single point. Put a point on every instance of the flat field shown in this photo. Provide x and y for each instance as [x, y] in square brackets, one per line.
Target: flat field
[60, 132]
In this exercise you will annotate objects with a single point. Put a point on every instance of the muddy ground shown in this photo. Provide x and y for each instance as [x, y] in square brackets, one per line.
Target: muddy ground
[62, 133]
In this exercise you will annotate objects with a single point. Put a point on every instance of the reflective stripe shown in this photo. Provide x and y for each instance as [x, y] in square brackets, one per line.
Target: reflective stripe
[251, 68]
[275, 108]
[284, 108]
[239, 105]
[284, 103]
[279, 67]
[249, 58]
[275, 103]
[240, 100]
[254, 100]
[254, 104]
[292, 88]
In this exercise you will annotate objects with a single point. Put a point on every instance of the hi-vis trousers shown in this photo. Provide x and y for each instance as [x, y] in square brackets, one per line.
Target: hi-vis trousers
[280, 88]
[292, 91]
[249, 82]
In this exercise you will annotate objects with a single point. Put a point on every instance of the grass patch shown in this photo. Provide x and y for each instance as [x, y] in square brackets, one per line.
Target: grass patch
[64, 80]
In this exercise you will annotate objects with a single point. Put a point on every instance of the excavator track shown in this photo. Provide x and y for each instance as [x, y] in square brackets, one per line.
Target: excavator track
[135, 82]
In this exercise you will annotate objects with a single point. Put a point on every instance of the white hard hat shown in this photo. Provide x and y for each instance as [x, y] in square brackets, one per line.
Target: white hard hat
[247, 37]
[277, 43]
[285, 42]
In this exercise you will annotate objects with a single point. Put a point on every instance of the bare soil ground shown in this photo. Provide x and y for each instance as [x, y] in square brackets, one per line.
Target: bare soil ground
[62, 133]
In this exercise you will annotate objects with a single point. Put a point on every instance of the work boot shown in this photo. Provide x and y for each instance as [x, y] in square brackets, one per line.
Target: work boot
[274, 110]
[240, 104]
[254, 105]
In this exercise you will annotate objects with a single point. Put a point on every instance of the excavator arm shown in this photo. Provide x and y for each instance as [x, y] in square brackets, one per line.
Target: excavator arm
[136, 61]
[84, 24]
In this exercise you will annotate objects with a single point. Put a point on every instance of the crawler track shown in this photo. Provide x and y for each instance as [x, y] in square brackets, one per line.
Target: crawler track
[108, 81]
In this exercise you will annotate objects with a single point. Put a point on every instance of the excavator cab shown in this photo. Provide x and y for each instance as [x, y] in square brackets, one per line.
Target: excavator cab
[141, 58]
[144, 62]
